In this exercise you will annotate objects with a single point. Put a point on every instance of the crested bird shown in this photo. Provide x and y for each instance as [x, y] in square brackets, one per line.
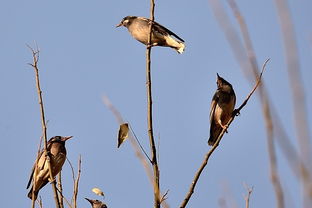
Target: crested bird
[221, 109]
[96, 203]
[57, 152]
[161, 36]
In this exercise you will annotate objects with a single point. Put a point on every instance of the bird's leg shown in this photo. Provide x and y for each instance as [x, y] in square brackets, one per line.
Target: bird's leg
[52, 181]
[223, 126]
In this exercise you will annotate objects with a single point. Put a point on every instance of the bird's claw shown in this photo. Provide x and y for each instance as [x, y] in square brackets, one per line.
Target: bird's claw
[236, 112]
[52, 181]
[225, 127]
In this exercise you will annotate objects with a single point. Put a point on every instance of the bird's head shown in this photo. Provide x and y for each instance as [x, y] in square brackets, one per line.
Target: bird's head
[223, 85]
[126, 21]
[96, 203]
[59, 139]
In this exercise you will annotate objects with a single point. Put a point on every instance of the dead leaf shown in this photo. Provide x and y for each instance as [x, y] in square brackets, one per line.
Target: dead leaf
[123, 133]
[98, 191]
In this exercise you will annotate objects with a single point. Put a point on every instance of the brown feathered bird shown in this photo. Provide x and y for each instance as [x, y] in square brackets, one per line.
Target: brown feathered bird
[161, 36]
[222, 106]
[96, 203]
[57, 153]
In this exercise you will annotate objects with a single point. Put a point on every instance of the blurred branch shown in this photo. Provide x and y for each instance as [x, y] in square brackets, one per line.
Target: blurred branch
[298, 94]
[209, 153]
[150, 110]
[35, 54]
[249, 64]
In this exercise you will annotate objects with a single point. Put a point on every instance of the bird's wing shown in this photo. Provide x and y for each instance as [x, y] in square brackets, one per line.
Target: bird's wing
[161, 29]
[213, 106]
[41, 163]
[164, 30]
[215, 129]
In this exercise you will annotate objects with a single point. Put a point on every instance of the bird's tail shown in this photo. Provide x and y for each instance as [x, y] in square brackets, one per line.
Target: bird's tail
[30, 194]
[179, 46]
[214, 134]
[211, 140]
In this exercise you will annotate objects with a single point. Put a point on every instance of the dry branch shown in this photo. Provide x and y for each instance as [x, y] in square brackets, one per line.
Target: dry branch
[60, 188]
[208, 154]
[35, 54]
[76, 184]
[150, 111]
[247, 197]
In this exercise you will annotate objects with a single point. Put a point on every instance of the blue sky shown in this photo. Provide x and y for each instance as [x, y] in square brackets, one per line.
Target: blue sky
[83, 57]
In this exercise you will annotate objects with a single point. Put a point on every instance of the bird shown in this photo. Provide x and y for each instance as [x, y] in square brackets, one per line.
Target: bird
[96, 203]
[221, 109]
[161, 36]
[57, 152]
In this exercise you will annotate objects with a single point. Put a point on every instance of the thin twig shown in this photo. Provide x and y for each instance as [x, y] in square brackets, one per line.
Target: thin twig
[35, 54]
[72, 169]
[76, 184]
[146, 155]
[67, 202]
[208, 154]
[247, 197]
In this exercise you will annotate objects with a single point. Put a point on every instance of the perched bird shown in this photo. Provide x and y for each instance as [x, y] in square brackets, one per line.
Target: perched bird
[221, 110]
[57, 153]
[161, 36]
[96, 203]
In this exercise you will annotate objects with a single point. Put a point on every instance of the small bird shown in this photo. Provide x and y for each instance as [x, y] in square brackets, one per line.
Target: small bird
[221, 110]
[96, 203]
[57, 153]
[161, 36]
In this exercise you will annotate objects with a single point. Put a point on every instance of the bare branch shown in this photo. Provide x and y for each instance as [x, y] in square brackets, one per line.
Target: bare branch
[76, 184]
[60, 188]
[247, 197]
[150, 110]
[35, 54]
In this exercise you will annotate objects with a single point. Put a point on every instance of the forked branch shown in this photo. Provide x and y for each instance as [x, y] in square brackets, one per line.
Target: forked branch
[35, 54]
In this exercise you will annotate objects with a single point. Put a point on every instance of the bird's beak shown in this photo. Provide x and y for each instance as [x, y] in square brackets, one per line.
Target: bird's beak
[120, 24]
[218, 76]
[89, 200]
[66, 138]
